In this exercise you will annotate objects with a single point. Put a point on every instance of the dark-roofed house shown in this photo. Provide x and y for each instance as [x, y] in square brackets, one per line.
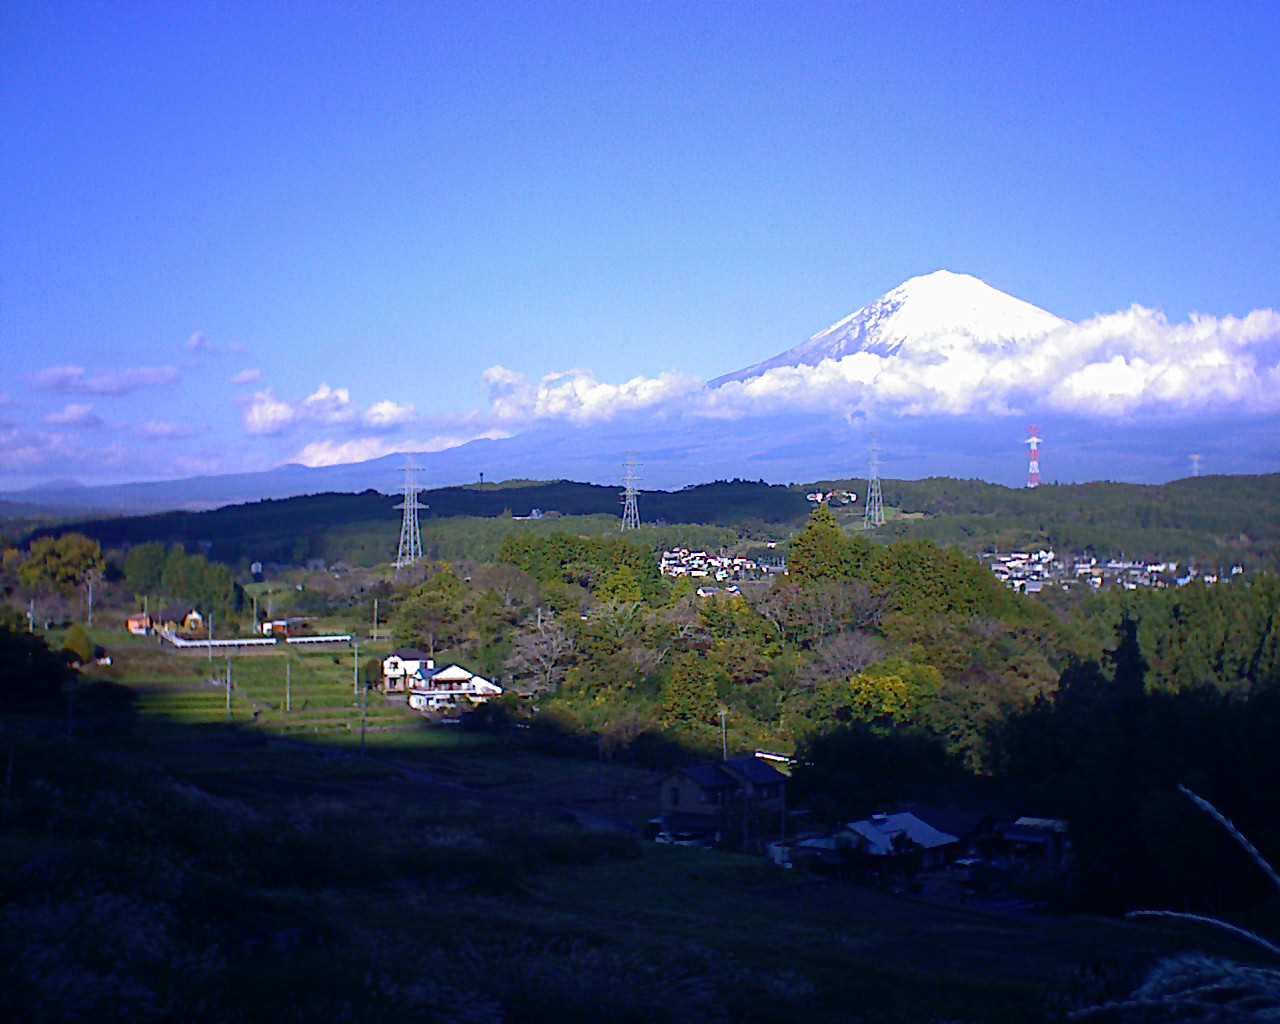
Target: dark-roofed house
[180, 618]
[705, 797]
[452, 686]
[1037, 839]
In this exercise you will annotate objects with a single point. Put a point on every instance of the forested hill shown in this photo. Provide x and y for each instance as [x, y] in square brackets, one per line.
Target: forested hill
[1224, 517]
[1215, 503]
[263, 523]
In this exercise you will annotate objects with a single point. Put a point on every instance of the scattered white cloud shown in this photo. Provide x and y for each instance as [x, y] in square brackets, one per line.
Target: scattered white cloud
[163, 430]
[578, 396]
[247, 377]
[328, 405]
[74, 415]
[23, 451]
[333, 453]
[265, 414]
[114, 382]
[198, 342]
[387, 414]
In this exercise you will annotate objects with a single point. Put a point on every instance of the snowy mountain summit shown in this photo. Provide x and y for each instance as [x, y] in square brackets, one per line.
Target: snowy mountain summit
[924, 319]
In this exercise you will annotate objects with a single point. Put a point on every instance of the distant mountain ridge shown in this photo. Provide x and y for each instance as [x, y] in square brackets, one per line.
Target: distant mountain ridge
[919, 319]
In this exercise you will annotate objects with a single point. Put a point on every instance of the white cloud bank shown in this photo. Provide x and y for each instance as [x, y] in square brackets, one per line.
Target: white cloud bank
[579, 397]
[1111, 366]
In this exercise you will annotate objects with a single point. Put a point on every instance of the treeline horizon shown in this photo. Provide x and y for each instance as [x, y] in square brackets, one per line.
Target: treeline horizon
[1224, 519]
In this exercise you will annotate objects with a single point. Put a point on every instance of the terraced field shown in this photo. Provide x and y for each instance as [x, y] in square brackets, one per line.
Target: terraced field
[284, 693]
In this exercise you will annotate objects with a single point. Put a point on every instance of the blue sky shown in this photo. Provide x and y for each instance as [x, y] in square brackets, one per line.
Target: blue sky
[389, 200]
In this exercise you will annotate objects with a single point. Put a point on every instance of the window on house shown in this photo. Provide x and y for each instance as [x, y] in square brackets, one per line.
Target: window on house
[675, 796]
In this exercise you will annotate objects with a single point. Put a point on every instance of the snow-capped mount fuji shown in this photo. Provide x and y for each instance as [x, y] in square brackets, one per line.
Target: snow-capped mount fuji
[923, 318]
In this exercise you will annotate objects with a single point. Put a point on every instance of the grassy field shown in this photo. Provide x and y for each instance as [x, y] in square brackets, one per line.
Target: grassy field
[280, 872]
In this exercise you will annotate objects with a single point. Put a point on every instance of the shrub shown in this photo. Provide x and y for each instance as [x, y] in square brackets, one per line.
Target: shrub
[78, 644]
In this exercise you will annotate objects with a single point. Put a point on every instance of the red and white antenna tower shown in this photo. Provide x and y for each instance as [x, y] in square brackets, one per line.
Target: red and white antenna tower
[1033, 467]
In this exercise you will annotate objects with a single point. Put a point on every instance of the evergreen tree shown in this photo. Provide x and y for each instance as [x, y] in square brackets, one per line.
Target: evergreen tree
[820, 551]
[432, 613]
[689, 694]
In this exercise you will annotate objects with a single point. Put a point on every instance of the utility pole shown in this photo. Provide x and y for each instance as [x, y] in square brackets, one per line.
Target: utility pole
[228, 689]
[375, 618]
[364, 716]
[724, 736]
[288, 685]
[209, 638]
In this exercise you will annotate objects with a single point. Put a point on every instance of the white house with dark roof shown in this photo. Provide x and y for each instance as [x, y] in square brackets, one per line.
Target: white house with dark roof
[402, 666]
[432, 688]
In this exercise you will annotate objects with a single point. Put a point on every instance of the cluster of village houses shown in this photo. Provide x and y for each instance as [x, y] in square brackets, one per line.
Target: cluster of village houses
[832, 497]
[1032, 571]
[743, 801]
[715, 569]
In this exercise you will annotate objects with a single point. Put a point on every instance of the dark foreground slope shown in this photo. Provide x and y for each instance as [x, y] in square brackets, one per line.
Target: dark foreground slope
[172, 862]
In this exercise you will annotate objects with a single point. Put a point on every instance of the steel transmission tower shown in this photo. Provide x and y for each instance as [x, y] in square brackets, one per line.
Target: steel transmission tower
[630, 509]
[410, 537]
[1033, 466]
[873, 511]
